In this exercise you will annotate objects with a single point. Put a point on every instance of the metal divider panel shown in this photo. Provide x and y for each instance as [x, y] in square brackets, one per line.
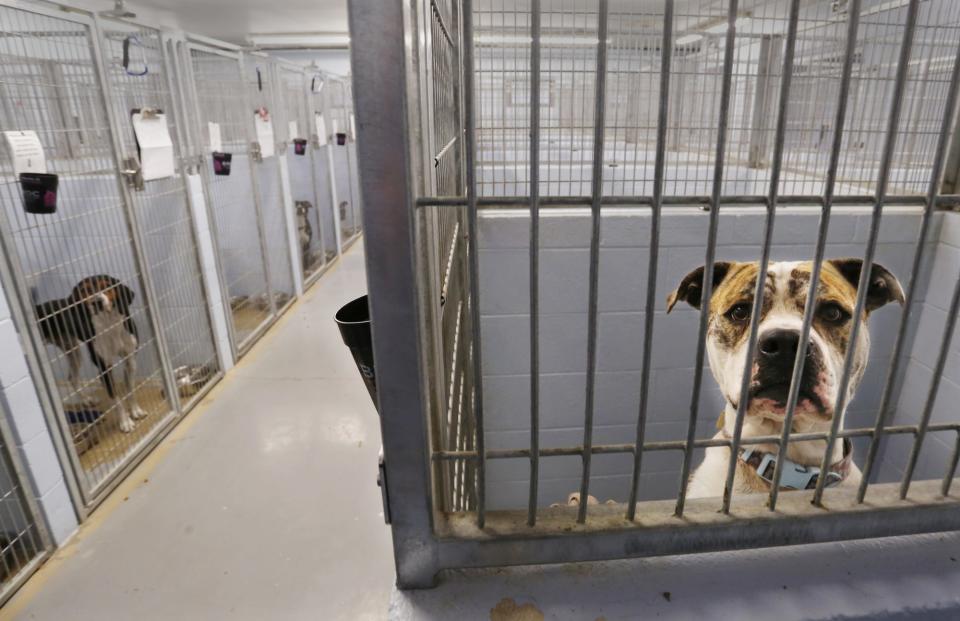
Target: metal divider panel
[161, 208]
[52, 88]
[218, 86]
[261, 76]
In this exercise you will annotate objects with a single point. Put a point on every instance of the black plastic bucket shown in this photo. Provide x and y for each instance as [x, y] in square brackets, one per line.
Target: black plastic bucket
[353, 319]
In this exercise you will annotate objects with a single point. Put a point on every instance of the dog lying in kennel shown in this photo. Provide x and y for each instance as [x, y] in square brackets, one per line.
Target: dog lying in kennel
[785, 292]
[97, 314]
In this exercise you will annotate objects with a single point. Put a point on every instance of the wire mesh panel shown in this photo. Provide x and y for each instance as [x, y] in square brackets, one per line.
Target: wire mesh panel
[295, 126]
[322, 145]
[137, 73]
[337, 114]
[262, 86]
[611, 152]
[218, 87]
[24, 542]
[356, 205]
[76, 261]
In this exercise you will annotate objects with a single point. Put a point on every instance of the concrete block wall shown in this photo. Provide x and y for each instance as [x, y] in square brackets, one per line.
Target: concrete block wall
[931, 318]
[564, 264]
[21, 405]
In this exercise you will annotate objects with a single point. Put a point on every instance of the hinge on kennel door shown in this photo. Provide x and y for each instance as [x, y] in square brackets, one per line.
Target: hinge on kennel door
[382, 484]
[133, 173]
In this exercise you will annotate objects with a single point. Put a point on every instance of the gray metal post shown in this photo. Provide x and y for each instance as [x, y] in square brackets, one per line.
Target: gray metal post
[377, 33]
[771, 58]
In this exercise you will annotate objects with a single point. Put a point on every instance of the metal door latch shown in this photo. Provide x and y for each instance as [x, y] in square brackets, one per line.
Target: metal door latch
[382, 484]
[133, 174]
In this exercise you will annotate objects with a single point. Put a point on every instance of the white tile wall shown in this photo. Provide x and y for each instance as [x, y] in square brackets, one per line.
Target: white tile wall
[564, 263]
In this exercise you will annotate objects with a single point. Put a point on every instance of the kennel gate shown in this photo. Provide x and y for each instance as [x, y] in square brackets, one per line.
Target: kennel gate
[60, 82]
[323, 143]
[617, 68]
[338, 114]
[25, 542]
[262, 78]
[216, 94]
[295, 125]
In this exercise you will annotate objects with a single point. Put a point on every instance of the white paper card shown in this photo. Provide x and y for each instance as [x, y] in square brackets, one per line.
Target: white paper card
[264, 135]
[216, 143]
[321, 130]
[26, 152]
[156, 147]
[293, 130]
[353, 127]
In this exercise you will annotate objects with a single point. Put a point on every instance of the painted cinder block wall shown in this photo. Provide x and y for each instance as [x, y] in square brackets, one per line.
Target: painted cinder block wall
[564, 264]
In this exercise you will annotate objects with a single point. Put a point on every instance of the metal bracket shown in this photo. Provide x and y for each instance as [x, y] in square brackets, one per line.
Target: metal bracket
[133, 174]
[382, 484]
[255, 152]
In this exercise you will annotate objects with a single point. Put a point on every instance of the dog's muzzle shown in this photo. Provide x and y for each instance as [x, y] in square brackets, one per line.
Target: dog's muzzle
[776, 354]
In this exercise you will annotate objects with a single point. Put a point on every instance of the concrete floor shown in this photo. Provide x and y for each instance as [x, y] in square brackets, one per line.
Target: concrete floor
[261, 504]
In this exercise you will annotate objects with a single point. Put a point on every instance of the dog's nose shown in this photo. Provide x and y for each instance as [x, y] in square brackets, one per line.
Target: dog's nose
[777, 345]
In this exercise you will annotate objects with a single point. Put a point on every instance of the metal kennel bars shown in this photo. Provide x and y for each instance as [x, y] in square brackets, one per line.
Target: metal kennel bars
[466, 81]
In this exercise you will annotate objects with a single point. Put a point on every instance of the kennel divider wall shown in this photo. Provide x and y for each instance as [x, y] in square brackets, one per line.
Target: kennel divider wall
[631, 171]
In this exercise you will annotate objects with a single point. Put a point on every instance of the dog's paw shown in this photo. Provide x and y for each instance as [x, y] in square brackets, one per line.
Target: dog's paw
[126, 425]
[573, 500]
[137, 412]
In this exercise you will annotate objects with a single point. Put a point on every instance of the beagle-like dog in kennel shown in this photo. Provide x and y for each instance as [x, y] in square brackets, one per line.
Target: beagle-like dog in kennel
[785, 291]
[97, 313]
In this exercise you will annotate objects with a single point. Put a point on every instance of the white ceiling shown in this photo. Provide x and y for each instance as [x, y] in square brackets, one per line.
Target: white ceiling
[234, 20]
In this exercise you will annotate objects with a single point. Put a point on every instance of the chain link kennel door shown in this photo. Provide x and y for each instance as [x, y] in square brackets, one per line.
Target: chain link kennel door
[225, 123]
[262, 79]
[24, 540]
[322, 144]
[296, 124]
[55, 89]
[138, 72]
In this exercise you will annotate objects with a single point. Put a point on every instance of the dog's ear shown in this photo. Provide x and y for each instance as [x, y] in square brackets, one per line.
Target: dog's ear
[125, 295]
[691, 287]
[882, 287]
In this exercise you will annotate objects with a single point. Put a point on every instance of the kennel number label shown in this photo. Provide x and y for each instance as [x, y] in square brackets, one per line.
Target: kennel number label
[216, 142]
[264, 128]
[321, 130]
[26, 152]
[156, 147]
[293, 130]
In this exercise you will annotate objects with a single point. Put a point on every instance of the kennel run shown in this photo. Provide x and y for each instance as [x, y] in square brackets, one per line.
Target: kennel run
[540, 175]
[166, 197]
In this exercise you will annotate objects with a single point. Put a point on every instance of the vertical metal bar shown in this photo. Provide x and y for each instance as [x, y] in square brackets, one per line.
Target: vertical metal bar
[470, 155]
[952, 468]
[853, 21]
[890, 141]
[932, 192]
[707, 285]
[765, 252]
[388, 174]
[600, 81]
[663, 121]
[534, 260]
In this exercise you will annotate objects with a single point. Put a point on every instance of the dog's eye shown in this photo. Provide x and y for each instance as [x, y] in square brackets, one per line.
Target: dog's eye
[832, 313]
[739, 312]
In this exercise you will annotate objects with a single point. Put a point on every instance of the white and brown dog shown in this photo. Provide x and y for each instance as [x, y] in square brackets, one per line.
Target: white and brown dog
[785, 292]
